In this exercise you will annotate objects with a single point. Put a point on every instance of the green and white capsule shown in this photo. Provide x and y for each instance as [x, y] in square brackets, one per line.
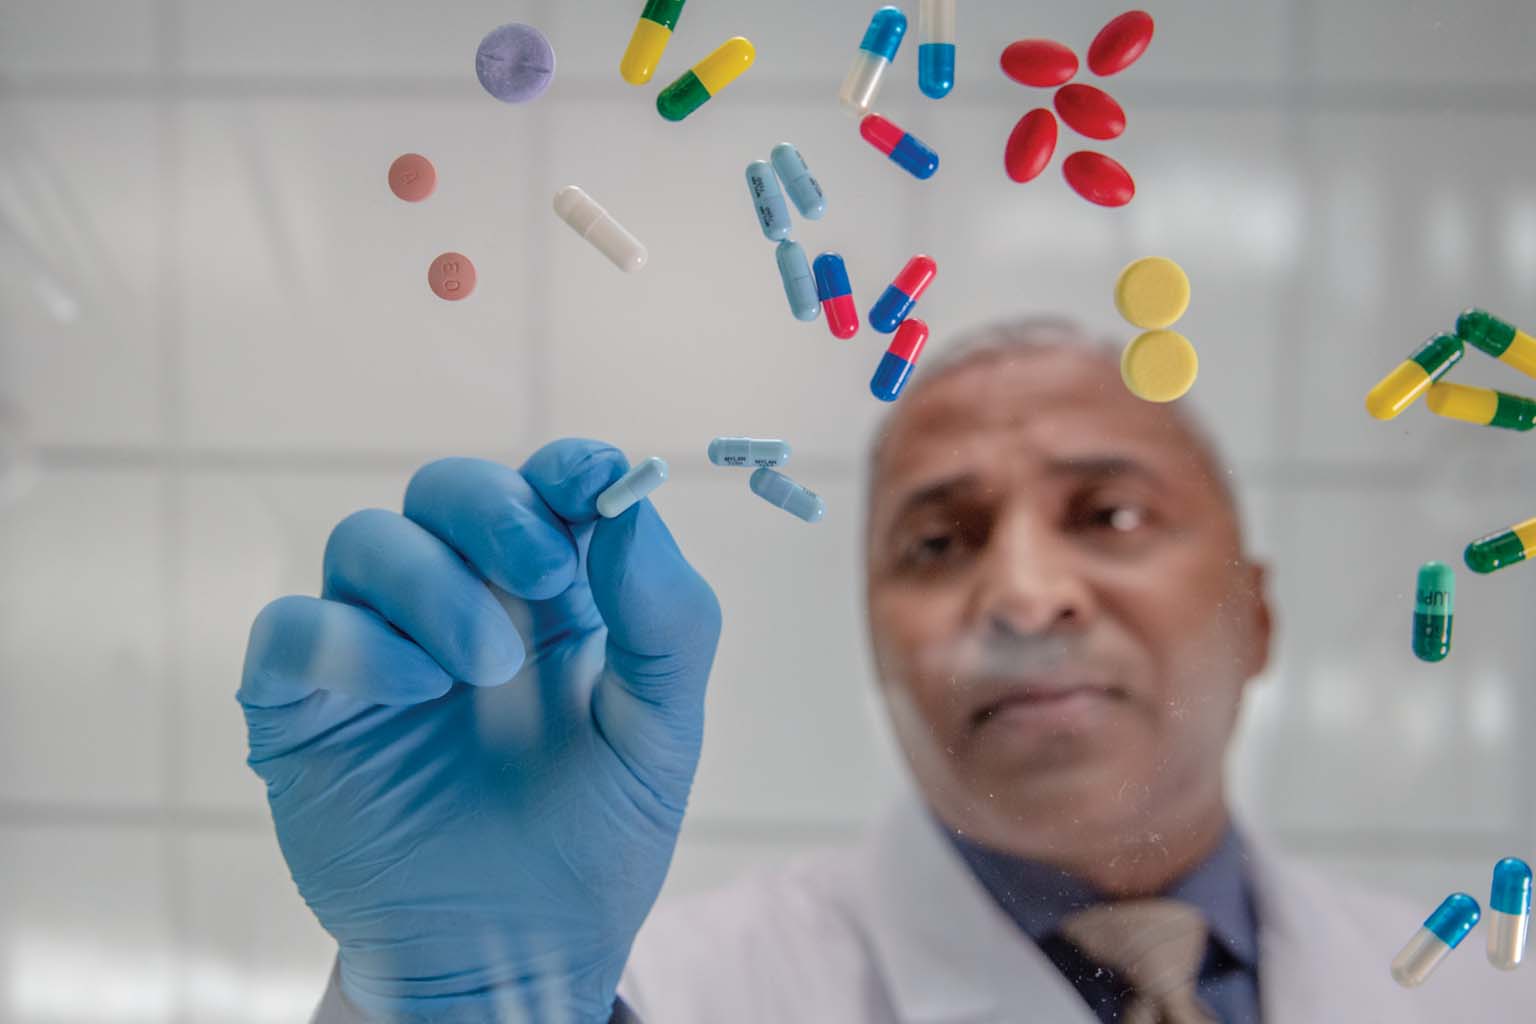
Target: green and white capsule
[1483, 406]
[1434, 603]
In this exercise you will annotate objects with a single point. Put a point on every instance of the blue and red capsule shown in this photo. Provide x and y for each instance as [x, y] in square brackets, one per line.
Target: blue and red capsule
[899, 360]
[893, 305]
[908, 152]
[836, 295]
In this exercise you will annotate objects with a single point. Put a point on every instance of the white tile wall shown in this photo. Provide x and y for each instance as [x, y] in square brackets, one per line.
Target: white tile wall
[257, 356]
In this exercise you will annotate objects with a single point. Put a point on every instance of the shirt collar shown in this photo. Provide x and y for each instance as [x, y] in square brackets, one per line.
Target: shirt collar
[1038, 896]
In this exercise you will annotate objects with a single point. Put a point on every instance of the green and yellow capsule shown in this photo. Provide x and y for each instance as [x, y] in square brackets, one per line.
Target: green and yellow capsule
[1504, 341]
[646, 46]
[696, 85]
[1481, 405]
[1507, 547]
[1413, 376]
[1434, 602]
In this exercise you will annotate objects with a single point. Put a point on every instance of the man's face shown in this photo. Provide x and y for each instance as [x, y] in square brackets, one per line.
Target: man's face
[1060, 608]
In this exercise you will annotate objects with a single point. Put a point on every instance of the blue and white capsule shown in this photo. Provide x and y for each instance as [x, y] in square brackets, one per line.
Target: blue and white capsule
[1509, 913]
[768, 201]
[881, 41]
[631, 487]
[1442, 932]
[936, 47]
[777, 489]
[799, 282]
[804, 190]
[748, 451]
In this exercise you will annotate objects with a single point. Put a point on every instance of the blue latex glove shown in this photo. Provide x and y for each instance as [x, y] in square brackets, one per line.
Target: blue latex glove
[481, 825]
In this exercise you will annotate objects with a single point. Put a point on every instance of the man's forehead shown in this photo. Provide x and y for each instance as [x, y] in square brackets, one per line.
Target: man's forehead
[1067, 401]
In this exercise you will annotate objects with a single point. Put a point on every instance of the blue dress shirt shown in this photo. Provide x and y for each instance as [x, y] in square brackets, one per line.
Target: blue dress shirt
[1039, 897]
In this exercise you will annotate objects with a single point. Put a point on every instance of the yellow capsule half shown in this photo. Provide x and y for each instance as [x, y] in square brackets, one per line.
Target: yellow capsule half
[643, 54]
[1413, 376]
[726, 64]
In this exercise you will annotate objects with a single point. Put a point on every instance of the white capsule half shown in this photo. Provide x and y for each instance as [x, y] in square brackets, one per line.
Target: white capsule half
[1506, 939]
[748, 451]
[863, 83]
[631, 487]
[589, 220]
[1419, 958]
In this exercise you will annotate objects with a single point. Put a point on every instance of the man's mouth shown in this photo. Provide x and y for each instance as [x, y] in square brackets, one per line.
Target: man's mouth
[1046, 699]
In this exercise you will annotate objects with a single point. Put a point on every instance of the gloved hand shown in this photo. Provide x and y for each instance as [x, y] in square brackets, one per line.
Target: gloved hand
[483, 825]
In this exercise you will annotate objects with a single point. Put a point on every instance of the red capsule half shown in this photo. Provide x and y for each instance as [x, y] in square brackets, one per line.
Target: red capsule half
[1042, 62]
[1030, 145]
[1120, 42]
[1090, 111]
[1098, 179]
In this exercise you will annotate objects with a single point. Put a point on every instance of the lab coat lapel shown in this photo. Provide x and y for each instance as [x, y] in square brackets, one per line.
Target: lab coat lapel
[947, 953]
[1316, 960]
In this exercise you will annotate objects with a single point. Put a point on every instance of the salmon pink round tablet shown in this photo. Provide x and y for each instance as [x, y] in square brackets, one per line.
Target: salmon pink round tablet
[1120, 42]
[1098, 179]
[1089, 111]
[412, 177]
[1041, 62]
[1030, 145]
[451, 276]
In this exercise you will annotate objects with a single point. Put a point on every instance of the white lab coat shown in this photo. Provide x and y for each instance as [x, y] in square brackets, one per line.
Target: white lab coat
[898, 931]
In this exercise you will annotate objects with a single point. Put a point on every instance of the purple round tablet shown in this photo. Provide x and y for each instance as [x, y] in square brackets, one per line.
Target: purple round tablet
[515, 63]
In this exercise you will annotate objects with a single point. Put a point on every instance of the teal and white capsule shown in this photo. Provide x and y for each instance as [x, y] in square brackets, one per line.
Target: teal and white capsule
[1509, 913]
[1434, 604]
[936, 47]
[1442, 932]
[804, 190]
[768, 201]
[777, 489]
[799, 282]
[631, 487]
[748, 451]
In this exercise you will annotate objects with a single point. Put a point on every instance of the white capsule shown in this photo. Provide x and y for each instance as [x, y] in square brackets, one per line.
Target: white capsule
[1442, 932]
[748, 451]
[589, 220]
[631, 487]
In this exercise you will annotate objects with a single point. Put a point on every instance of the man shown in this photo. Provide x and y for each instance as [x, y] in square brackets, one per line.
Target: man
[1064, 620]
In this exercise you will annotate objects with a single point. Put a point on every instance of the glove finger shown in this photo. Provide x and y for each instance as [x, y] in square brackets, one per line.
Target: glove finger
[499, 524]
[570, 473]
[423, 588]
[663, 625]
[301, 645]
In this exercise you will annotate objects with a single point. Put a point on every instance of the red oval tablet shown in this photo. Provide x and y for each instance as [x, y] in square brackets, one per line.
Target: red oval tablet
[1042, 62]
[412, 177]
[451, 276]
[1120, 42]
[1090, 111]
[1098, 179]
[1030, 145]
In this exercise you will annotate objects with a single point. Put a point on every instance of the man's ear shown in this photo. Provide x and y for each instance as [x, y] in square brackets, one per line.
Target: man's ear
[1262, 626]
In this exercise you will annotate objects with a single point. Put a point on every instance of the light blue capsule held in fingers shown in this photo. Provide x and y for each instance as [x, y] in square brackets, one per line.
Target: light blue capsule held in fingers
[748, 451]
[799, 282]
[768, 201]
[777, 489]
[804, 190]
[631, 487]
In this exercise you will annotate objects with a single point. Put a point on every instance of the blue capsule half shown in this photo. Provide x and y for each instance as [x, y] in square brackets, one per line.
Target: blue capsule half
[936, 69]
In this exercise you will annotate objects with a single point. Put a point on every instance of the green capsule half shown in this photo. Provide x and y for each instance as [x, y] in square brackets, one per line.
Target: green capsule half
[1433, 605]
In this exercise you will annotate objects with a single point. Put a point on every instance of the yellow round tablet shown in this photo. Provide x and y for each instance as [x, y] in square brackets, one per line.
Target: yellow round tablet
[1152, 292]
[1159, 366]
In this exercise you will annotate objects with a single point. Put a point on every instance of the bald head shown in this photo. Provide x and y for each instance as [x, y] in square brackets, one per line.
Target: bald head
[1057, 342]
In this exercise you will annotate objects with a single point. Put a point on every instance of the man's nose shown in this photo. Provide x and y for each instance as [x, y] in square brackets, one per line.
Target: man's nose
[1031, 580]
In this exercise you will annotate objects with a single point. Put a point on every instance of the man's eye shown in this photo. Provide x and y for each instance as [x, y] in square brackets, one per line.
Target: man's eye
[926, 550]
[1119, 518]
